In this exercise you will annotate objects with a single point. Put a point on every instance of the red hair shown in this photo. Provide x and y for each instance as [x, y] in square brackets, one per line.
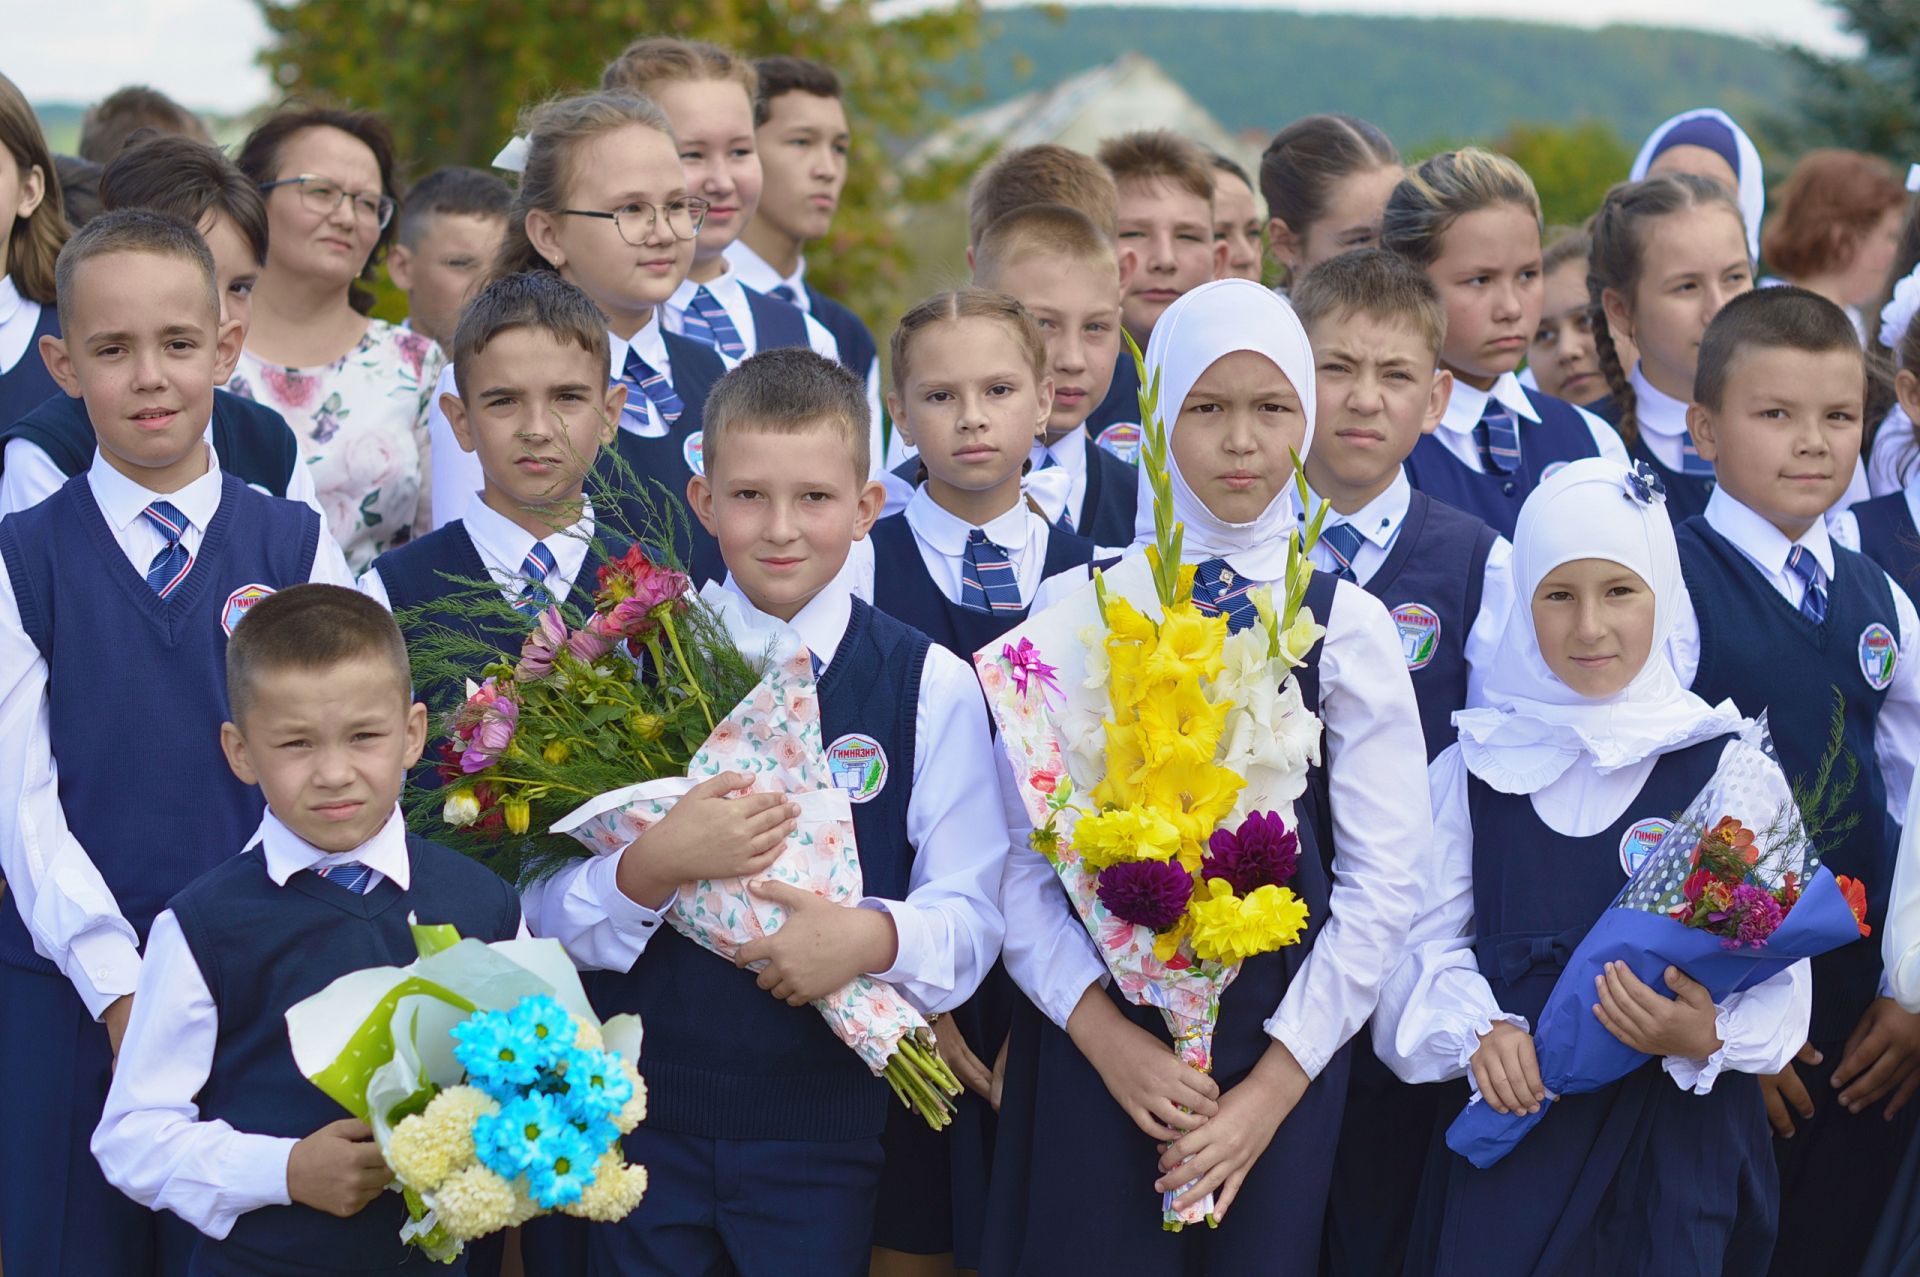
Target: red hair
[1829, 203]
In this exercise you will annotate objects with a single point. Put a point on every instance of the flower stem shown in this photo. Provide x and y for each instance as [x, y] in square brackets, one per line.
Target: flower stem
[693, 685]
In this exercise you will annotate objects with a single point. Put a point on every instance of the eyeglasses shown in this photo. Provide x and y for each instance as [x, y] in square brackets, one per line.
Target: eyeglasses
[637, 221]
[323, 196]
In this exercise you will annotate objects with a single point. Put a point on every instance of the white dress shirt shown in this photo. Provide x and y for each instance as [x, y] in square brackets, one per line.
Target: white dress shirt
[727, 290]
[1469, 404]
[949, 927]
[19, 316]
[942, 538]
[1896, 735]
[1895, 456]
[75, 922]
[1436, 1005]
[1067, 455]
[1900, 938]
[503, 546]
[1380, 851]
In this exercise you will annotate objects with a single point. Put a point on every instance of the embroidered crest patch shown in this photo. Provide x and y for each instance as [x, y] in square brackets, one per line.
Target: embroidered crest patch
[694, 451]
[1419, 627]
[858, 766]
[1122, 439]
[1879, 654]
[239, 603]
[1641, 838]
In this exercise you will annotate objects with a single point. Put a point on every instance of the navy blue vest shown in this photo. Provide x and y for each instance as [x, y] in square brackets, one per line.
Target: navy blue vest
[1434, 603]
[904, 590]
[137, 686]
[776, 323]
[1888, 537]
[1756, 648]
[252, 440]
[28, 384]
[1112, 497]
[724, 1058]
[263, 948]
[1561, 435]
[1537, 892]
[663, 465]
[1121, 408]
[857, 349]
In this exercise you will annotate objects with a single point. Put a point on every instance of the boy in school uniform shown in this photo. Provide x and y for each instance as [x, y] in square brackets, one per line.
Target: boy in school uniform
[209, 1117]
[117, 596]
[762, 1136]
[1786, 618]
[451, 225]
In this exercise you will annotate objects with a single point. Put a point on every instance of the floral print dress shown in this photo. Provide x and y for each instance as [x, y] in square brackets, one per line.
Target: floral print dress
[362, 426]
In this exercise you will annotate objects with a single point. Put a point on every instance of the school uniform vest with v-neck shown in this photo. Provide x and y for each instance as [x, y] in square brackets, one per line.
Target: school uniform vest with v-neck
[28, 384]
[850, 332]
[1112, 496]
[776, 323]
[1434, 603]
[1889, 537]
[1687, 494]
[904, 590]
[252, 441]
[1757, 649]
[662, 465]
[1115, 424]
[137, 686]
[261, 948]
[1560, 436]
[726, 1061]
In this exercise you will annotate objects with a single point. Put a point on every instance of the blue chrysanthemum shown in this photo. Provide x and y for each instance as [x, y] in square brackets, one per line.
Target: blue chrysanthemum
[513, 1141]
[499, 1056]
[595, 1084]
[548, 1025]
[563, 1167]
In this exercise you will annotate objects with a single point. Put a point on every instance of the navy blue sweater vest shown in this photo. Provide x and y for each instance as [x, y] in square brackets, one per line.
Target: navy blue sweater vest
[1112, 496]
[903, 589]
[776, 323]
[251, 440]
[27, 384]
[1889, 538]
[137, 686]
[725, 1059]
[857, 348]
[662, 466]
[1561, 435]
[1434, 603]
[1756, 648]
[1536, 892]
[1119, 413]
[261, 949]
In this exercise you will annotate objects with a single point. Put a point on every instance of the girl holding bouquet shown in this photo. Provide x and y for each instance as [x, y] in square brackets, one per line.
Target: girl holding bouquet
[1587, 747]
[1098, 1115]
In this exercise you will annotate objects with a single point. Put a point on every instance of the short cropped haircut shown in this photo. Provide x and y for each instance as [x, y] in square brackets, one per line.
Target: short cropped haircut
[1159, 155]
[1782, 318]
[1445, 188]
[781, 75]
[189, 179]
[1051, 230]
[1043, 174]
[787, 391]
[456, 192]
[647, 64]
[1375, 283]
[531, 299]
[131, 230]
[313, 628]
[1829, 203]
[108, 123]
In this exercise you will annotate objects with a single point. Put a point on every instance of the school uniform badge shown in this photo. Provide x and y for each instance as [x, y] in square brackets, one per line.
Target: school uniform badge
[858, 766]
[694, 452]
[1879, 654]
[239, 603]
[1419, 627]
[1122, 439]
[1641, 838]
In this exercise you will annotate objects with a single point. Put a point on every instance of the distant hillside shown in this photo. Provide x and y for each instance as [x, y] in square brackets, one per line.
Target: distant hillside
[1419, 79]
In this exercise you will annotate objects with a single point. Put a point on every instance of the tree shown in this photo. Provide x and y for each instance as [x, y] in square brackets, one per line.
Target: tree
[1572, 168]
[1869, 103]
[452, 75]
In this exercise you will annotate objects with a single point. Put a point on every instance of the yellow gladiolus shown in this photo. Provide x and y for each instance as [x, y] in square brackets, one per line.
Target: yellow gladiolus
[1189, 644]
[1179, 724]
[1127, 833]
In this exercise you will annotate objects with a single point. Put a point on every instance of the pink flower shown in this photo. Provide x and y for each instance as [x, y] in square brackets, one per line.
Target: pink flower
[485, 725]
[373, 461]
[589, 644]
[831, 840]
[633, 576]
[1044, 781]
[725, 738]
[789, 751]
[801, 706]
[289, 385]
[762, 703]
[543, 643]
[412, 348]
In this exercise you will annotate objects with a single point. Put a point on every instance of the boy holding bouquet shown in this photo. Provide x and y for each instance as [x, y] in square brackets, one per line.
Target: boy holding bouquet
[762, 1127]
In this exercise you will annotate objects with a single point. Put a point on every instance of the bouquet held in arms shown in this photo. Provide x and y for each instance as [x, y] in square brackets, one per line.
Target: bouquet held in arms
[1158, 758]
[1732, 894]
[606, 720]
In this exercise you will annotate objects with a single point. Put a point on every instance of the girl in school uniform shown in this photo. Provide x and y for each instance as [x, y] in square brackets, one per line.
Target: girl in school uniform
[35, 228]
[1708, 143]
[1325, 180]
[1092, 1126]
[1587, 741]
[1471, 220]
[1887, 528]
[1562, 359]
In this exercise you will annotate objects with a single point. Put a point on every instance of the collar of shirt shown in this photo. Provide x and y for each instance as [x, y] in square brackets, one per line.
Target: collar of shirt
[121, 500]
[1379, 519]
[652, 348]
[821, 624]
[1069, 451]
[504, 546]
[1656, 411]
[11, 302]
[726, 290]
[1469, 403]
[18, 319]
[288, 853]
[947, 532]
[1760, 541]
[761, 275]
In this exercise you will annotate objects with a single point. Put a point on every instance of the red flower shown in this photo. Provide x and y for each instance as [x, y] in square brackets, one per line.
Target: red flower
[1045, 782]
[1856, 893]
[1696, 883]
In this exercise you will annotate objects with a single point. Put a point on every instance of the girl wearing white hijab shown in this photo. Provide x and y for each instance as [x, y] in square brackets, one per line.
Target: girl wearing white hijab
[1086, 1112]
[1587, 747]
[1707, 142]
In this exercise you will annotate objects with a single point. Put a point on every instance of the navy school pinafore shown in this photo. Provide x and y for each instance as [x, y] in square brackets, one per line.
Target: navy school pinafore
[1560, 436]
[663, 464]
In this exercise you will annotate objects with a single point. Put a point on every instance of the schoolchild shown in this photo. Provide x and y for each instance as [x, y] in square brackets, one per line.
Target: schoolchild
[1708, 143]
[1326, 179]
[1562, 360]
[36, 227]
[451, 225]
[1236, 219]
[1888, 526]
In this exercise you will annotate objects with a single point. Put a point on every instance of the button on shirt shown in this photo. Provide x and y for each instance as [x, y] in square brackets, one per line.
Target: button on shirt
[942, 538]
[503, 546]
[1469, 404]
[69, 909]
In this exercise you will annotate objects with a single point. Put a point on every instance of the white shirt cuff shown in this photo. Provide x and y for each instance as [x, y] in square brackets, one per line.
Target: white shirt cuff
[104, 966]
[1698, 1076]
[631, 921]
[252, 1174]
[1310, 1056]
[911, 942]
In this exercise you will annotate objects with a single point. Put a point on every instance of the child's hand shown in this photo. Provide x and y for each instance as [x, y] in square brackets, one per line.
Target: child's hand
[1217, 1157]
[1505, 1070]
[821, 946]
[999, 1074]
[115, 1019]
[966, 1066]
[1786, 1094]
[1165, 1097]
[707, 834]
[337, 1169]
[1882, 1057]
[1652, 1023]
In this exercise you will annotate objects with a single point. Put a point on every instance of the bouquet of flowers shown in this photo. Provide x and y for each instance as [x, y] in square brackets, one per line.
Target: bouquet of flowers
[604, 722]
[1729, 904]
[1190, 745]
[493, 1091]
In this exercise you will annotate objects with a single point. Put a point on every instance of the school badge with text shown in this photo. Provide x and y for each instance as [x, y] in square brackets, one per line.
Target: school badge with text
[858, 766]
[694, 450]
[239, 603]
[1122, 439]
[1419, 627]
[1879, 654]
[1642, 837]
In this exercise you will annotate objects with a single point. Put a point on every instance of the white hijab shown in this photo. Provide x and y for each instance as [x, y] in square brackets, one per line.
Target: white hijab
[1753, 181]
[1202, 327]
[1534, 726]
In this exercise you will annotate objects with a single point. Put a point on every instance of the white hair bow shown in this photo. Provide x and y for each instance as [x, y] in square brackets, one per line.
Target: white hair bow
[1899, 311]
[513, 156]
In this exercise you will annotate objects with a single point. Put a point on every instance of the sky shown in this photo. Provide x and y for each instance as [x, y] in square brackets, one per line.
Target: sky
[201, 51]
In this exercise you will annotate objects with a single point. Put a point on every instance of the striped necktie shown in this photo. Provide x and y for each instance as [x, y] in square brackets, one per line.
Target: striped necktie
[785, 293]
[170, 566]
[987, 582]
[355, 877]
[1343, 542]
[707, 320]
[645, 386]
[536, 567]
[1498, 434]
[1813, 604]
[1692, 464]
[1218, 588]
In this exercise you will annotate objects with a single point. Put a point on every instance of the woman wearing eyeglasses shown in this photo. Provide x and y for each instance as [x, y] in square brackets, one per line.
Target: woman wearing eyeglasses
[354, 389]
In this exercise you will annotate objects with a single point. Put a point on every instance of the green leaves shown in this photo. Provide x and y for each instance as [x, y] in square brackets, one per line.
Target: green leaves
[1167, 534]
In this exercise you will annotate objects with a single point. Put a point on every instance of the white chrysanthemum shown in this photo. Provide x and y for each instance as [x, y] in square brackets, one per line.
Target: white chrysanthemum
[634, 1111]
[428, 1147]
[473, 1203]
[524, 1207]
[586, 1035]
[616, 1189]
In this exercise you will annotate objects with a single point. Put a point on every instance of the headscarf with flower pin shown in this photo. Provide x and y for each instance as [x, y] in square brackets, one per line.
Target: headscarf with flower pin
[1200, 328]
[1534, 726]
[1714, 130]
